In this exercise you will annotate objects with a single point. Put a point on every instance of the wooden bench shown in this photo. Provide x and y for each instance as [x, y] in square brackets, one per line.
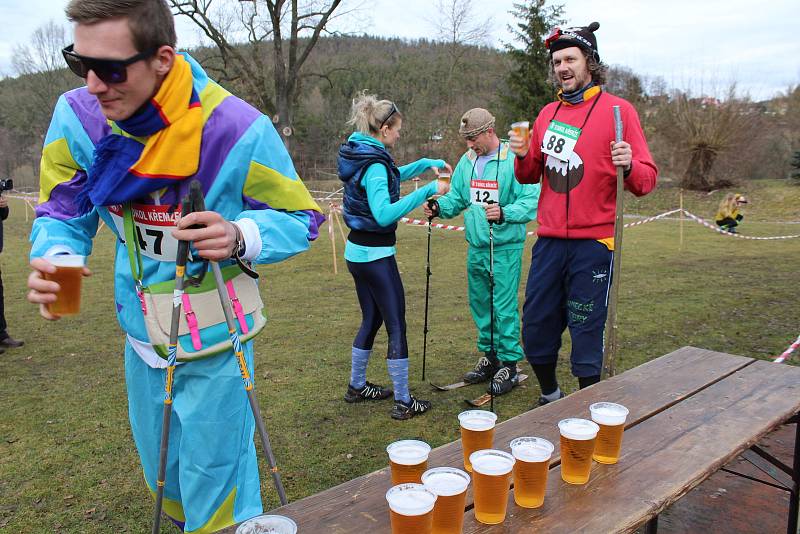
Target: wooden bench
[691, 411]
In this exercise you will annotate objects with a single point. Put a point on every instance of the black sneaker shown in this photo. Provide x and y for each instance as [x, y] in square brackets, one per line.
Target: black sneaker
[368, 392]
[404, 411]
[543, 401]
[9, 342]
[485, 369]
[504, 380]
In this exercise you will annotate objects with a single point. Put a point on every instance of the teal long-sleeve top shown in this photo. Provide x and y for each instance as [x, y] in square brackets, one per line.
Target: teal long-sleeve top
[376, 182]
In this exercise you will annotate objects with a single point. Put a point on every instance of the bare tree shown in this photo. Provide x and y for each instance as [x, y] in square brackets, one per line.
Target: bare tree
[291, 28]
[42, 77]
[705, 128]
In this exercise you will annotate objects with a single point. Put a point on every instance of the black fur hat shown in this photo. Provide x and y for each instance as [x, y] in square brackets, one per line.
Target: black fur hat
[580, 36]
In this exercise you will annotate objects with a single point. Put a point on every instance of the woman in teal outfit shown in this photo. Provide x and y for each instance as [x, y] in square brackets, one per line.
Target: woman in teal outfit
[372, 207]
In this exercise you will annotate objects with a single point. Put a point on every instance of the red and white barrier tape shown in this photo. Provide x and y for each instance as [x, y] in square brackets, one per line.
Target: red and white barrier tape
[717, 229]
[788, 352]
[420, 222]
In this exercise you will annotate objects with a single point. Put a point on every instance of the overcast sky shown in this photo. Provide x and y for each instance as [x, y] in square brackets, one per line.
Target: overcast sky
[691, 44]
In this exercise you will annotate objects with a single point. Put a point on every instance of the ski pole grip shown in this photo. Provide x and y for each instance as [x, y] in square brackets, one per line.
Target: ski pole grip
[617, 124]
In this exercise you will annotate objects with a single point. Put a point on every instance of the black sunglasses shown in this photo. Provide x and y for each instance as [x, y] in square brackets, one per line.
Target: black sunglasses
[389, 116]
[108, 70]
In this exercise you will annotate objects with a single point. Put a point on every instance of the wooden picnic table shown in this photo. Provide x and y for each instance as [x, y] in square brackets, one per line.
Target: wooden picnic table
[691, 411]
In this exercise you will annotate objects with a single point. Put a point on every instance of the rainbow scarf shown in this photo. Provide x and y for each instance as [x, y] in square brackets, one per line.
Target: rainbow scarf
[125, 168]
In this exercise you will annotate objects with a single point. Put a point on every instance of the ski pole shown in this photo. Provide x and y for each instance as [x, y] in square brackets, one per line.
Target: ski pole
[196, 194]
[610, 349]
[172, 354]
[491, 307]
[427, 292]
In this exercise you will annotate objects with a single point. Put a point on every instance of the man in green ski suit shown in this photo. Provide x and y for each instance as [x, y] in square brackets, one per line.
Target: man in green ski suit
[483, 186]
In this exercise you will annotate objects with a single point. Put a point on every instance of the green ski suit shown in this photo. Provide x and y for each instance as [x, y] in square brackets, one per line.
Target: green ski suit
[519, 203]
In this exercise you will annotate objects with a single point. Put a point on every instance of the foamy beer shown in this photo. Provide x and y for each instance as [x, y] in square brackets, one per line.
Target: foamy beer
[532, 464]
[411, 508]
[69, 275]
[611, 419]
[477, 432]
[450, 486]
[577, 445]
[491, 477]
[408, 459]
[444, 175]
[522, 129]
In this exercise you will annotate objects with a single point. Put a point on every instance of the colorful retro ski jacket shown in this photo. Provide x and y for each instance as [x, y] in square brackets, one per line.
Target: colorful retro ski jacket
[245, 171]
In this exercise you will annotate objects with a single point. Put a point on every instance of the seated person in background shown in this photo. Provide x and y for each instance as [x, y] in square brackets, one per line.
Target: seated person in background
[728, 216]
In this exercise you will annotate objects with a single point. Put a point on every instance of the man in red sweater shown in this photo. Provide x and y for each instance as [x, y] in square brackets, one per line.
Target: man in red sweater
[572, 152]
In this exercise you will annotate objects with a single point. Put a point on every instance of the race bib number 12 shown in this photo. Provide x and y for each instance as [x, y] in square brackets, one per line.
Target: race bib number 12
[484, 192]
[559, 140]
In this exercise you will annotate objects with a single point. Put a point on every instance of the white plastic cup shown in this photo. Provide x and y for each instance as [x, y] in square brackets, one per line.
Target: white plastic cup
[411, 508]
[68, 275]
[477, 432]
[578, 437]
[491, 480]
[268, 524]
[611, 418]
[408, 459]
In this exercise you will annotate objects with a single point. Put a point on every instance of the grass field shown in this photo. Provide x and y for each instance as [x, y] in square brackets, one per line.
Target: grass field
[67, 460]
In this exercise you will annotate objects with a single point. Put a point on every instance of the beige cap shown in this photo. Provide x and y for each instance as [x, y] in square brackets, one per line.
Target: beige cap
[475, 122]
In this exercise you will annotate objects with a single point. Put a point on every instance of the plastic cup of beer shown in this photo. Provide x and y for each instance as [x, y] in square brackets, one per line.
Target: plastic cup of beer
[444, 174]
[450, 486]
[411, 508]
[69, 275]
[408, 459]
[578, 437]
[610, 417]
[532, 464]
[491, 478]
[522, 129]
[268, 524]
[477, 432]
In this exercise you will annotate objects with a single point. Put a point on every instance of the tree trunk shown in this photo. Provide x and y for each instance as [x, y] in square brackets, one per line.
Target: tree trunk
[697, 172]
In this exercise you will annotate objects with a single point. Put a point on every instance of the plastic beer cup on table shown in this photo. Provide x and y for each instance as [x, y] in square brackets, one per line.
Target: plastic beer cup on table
[408, 459]
[522, 129]
[272, 524]
[610, 417]
[532, 465]
[450, 486]
[477, 432]
[68, 275]
[578, 437]
[411, 508]
[491, 478]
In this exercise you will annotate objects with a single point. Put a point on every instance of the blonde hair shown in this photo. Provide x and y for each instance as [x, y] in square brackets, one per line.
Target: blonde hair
[728, 206]
[368, 113]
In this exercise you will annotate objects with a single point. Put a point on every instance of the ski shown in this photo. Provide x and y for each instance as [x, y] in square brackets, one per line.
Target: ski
[449, 387]
[485, 398]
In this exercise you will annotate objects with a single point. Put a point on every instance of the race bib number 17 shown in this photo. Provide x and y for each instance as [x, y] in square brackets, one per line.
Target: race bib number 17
[559, 140]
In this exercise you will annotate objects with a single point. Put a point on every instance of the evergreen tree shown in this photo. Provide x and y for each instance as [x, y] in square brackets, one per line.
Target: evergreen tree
[795, 174]
[528, 87]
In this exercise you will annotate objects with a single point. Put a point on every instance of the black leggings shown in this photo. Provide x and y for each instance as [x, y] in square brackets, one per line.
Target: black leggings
[382, 299]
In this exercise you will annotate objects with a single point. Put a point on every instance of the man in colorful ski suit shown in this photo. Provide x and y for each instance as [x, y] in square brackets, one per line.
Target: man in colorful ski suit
[147, 123]
[484, 188]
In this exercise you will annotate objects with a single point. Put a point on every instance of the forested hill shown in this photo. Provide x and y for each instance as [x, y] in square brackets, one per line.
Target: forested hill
[433, 84]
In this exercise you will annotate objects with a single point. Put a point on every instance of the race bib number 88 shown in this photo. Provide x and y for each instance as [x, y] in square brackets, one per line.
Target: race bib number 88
[560, 139]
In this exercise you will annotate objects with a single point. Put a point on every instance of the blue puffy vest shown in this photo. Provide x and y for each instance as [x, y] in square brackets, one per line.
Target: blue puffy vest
[354, 159]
